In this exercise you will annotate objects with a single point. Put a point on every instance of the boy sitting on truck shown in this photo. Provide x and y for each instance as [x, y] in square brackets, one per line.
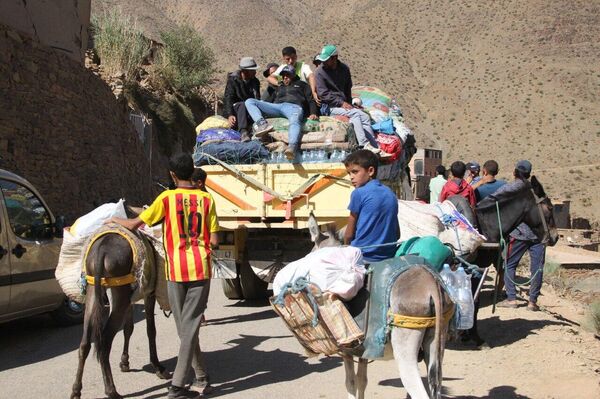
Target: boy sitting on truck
[373, 209]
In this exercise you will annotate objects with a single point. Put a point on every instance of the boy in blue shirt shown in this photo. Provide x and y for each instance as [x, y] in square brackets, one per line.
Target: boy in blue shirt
[373, 209]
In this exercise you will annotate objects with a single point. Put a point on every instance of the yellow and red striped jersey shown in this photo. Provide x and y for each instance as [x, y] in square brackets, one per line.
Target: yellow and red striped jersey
[188, 217]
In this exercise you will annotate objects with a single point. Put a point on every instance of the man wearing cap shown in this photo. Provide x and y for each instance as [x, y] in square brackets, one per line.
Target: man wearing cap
[241, 85]
[334, 88]
[269, 92]
[303, 71]
[522, 239]
[292, 100]
[473, 170]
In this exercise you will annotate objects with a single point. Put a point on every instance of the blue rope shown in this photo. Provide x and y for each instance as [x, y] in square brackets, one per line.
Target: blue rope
[301, 284]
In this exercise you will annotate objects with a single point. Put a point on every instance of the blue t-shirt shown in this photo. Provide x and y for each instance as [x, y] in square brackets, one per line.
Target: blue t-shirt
[376, 208]
[488, 188]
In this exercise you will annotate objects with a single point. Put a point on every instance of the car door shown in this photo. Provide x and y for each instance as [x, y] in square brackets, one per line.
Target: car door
[4, 266]
[33, 251]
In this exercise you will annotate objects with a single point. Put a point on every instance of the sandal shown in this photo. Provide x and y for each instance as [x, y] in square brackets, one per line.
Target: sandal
[533, 307]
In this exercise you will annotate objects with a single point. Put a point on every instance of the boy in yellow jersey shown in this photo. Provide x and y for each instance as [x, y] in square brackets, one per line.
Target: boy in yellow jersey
[189, 231]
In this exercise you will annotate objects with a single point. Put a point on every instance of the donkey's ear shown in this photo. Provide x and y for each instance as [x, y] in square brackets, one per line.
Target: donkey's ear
[538, 189]
[313, 228]
[340, 234]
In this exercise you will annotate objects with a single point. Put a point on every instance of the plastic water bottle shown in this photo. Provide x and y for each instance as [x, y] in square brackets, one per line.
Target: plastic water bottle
[273, 157]
[343, 155]
[448, 278]
[464, 299]
[334, 156]
[395, 108]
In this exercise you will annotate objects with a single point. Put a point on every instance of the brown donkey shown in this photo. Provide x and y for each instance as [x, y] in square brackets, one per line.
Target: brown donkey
[110, 259]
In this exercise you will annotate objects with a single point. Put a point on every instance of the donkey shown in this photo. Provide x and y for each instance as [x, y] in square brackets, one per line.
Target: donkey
[111, 256]
[529, 205]
[414, 293]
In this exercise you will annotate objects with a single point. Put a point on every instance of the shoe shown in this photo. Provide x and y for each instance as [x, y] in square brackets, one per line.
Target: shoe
[202, 384]
[533, 307]
[290, 153]
[261, 128]
[245, 136]
[508, 304]
[370, 147]
[182, 393]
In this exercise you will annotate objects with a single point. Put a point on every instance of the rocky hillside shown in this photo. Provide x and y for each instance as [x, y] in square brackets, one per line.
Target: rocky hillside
[480, 80]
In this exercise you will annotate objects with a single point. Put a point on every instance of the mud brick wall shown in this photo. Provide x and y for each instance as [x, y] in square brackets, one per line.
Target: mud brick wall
[62, 129]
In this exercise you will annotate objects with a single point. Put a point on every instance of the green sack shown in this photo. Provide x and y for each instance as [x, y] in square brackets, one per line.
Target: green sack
[429, 247]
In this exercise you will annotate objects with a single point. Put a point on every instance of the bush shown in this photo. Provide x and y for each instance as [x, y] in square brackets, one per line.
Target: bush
[594, 317]
[120, 46]
[185, 62]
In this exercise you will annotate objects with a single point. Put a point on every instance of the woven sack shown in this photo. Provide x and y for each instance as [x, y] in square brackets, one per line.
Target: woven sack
[68, 270]
[335, 330]
[212, 122]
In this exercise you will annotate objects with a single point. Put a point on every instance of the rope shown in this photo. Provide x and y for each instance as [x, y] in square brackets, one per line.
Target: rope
[300, 285]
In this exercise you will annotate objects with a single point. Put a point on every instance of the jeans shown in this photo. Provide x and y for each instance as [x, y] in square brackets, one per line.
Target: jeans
[537, 254]
[188, 302]
[292, 112]
[361, 122]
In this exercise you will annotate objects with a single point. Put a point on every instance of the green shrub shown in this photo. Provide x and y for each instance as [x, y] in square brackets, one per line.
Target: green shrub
[594, 317]
[185, 62]
[120, 46]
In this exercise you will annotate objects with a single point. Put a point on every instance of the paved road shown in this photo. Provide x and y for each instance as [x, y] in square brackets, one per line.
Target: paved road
[252, 355]
[248, 349]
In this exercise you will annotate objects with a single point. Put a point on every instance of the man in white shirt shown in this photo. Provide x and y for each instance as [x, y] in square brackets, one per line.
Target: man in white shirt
[436, 184]
[303, 71]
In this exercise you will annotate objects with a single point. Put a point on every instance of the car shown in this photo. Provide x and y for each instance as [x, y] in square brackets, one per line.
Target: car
[30, 241]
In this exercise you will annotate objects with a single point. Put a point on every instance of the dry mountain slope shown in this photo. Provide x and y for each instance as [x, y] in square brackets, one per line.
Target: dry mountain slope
[490, 79]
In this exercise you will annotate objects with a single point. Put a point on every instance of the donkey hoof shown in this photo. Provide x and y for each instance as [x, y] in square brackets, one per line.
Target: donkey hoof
[75, 395]
[124, 367]
[114, 395]
[162, 373]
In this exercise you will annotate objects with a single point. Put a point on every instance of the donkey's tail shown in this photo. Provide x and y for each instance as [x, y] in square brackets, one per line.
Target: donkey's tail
[435, 367]
[97, 316]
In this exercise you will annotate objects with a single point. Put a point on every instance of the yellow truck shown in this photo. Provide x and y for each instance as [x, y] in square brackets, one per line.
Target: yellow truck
[263, 210]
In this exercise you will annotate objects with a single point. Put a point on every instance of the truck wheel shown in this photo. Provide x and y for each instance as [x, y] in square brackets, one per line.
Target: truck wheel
[69, 313]
[232, 288]
[252, 286]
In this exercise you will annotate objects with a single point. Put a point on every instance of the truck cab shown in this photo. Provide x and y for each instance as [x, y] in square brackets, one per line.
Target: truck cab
[30, 240]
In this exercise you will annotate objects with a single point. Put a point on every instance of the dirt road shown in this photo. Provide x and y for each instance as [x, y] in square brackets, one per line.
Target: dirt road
[252, 355]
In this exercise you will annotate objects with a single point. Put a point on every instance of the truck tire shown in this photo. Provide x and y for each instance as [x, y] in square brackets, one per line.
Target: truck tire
[232, 288]
[252, 286]
[69, 313]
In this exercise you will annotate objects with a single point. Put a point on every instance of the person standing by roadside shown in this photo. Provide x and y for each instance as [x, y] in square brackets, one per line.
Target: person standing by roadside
[488, 183]
[457, 185]
[522, 239]
[437, 183]
[189, 233]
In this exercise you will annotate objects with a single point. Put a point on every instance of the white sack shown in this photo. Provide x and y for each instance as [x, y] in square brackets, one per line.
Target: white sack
[417, 220]
[338, 270]
[68, 270]
[92, 221]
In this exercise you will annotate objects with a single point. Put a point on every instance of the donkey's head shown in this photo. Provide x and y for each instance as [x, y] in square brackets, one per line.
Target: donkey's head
[329, 238]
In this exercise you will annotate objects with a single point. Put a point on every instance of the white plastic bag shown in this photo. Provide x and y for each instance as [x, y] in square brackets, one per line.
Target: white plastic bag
[338, 270]
[90, 222]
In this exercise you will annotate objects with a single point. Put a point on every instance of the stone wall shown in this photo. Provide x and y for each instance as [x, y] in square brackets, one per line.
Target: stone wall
[62, 129]
[59, 24]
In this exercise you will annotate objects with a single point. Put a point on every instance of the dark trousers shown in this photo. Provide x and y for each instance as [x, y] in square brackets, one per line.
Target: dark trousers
[188, 302]
[243, 119]
[537, 255]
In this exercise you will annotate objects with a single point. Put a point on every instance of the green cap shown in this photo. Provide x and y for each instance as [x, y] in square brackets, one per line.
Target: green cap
[327, 52]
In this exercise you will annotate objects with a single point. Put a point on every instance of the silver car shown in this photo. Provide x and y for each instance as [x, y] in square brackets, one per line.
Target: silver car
[30, 240]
